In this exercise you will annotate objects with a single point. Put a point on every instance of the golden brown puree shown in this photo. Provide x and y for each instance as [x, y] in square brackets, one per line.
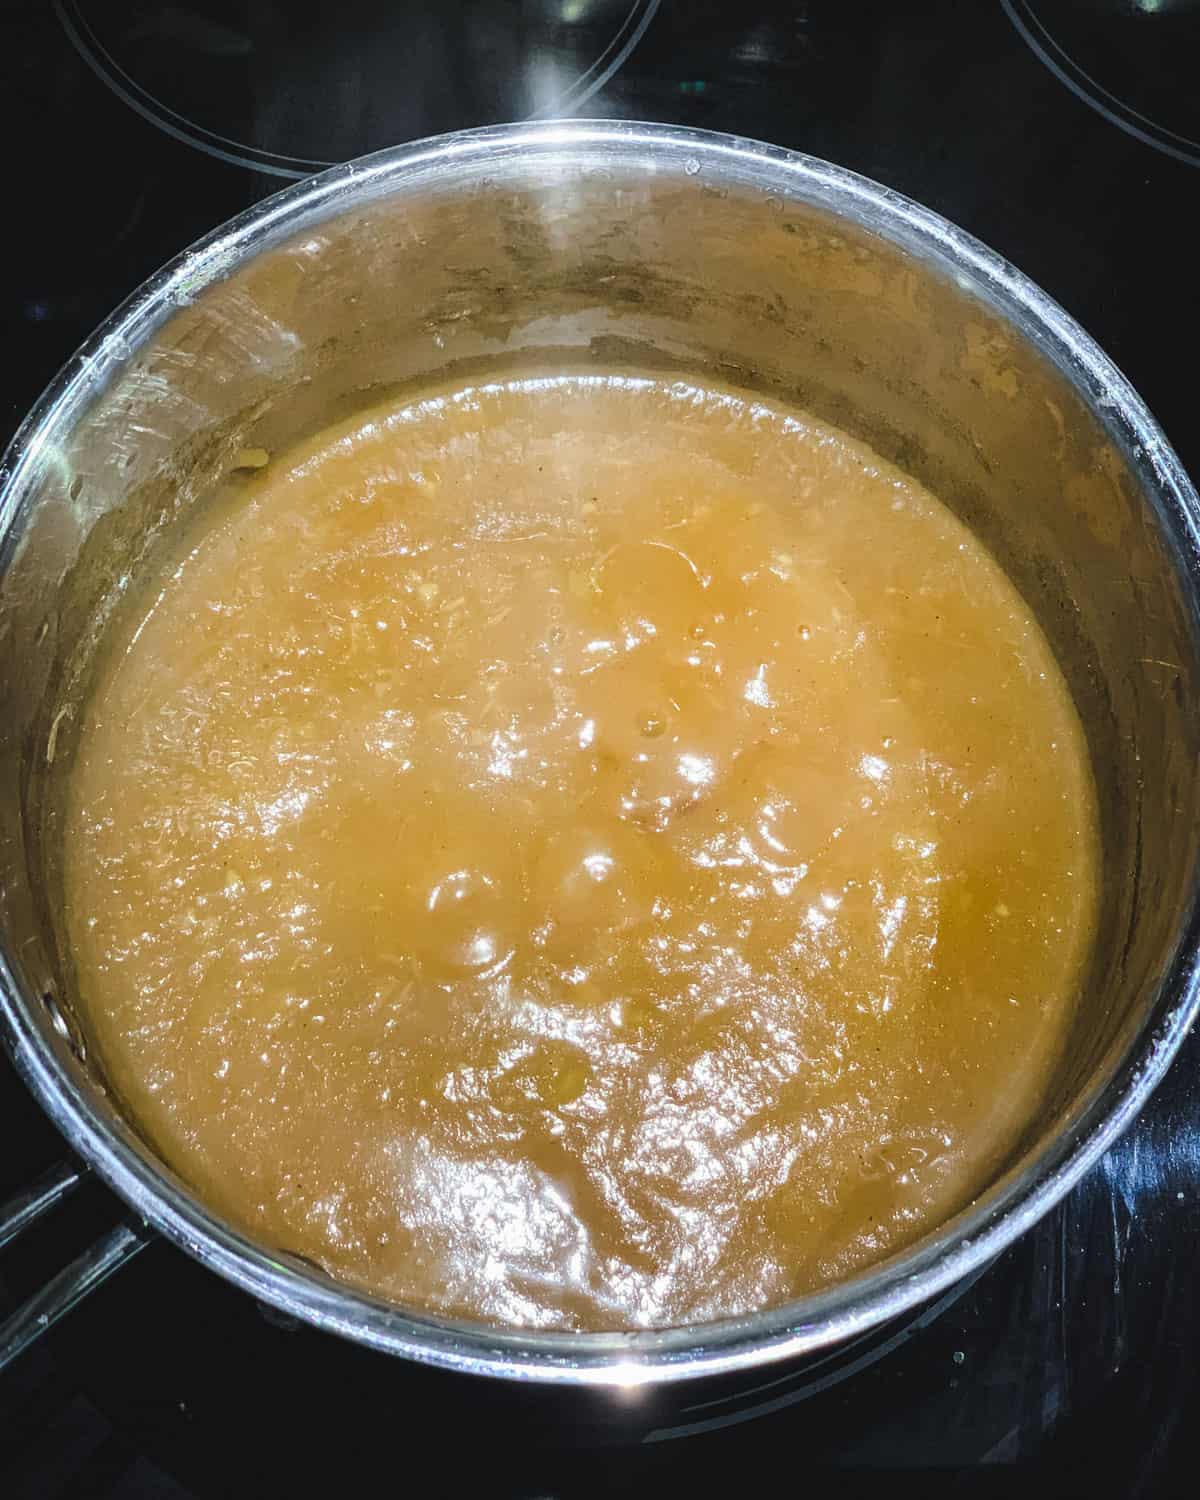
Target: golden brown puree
[585, 851]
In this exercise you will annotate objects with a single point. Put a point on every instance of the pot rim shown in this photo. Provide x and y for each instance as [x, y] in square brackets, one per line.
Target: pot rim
[883, 1292]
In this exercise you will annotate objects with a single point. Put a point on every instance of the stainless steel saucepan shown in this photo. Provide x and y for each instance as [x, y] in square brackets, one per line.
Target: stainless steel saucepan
[616, 244]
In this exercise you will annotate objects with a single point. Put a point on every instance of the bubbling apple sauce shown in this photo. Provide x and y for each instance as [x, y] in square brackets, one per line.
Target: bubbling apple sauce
[588, 851]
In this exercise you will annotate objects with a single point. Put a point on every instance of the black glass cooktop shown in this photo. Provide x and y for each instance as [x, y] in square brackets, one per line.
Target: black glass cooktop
[1064, 133]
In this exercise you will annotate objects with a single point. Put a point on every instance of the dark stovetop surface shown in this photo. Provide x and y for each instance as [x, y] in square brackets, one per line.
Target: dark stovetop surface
[1064, 133]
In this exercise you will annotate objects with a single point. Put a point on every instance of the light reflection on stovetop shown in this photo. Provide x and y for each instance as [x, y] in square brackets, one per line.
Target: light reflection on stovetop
[287, 90]
[1133, 61]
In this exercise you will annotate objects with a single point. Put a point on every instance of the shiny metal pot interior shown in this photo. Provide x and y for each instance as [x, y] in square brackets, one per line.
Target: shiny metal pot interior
[625, 244]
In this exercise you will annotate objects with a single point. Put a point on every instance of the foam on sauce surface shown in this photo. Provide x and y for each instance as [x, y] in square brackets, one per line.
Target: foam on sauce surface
[582, 852]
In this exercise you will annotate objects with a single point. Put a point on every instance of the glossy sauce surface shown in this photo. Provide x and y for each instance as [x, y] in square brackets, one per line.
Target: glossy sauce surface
[581, 852]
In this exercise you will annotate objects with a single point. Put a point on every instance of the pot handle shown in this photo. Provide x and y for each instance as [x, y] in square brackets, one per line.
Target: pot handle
[63, 1291]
